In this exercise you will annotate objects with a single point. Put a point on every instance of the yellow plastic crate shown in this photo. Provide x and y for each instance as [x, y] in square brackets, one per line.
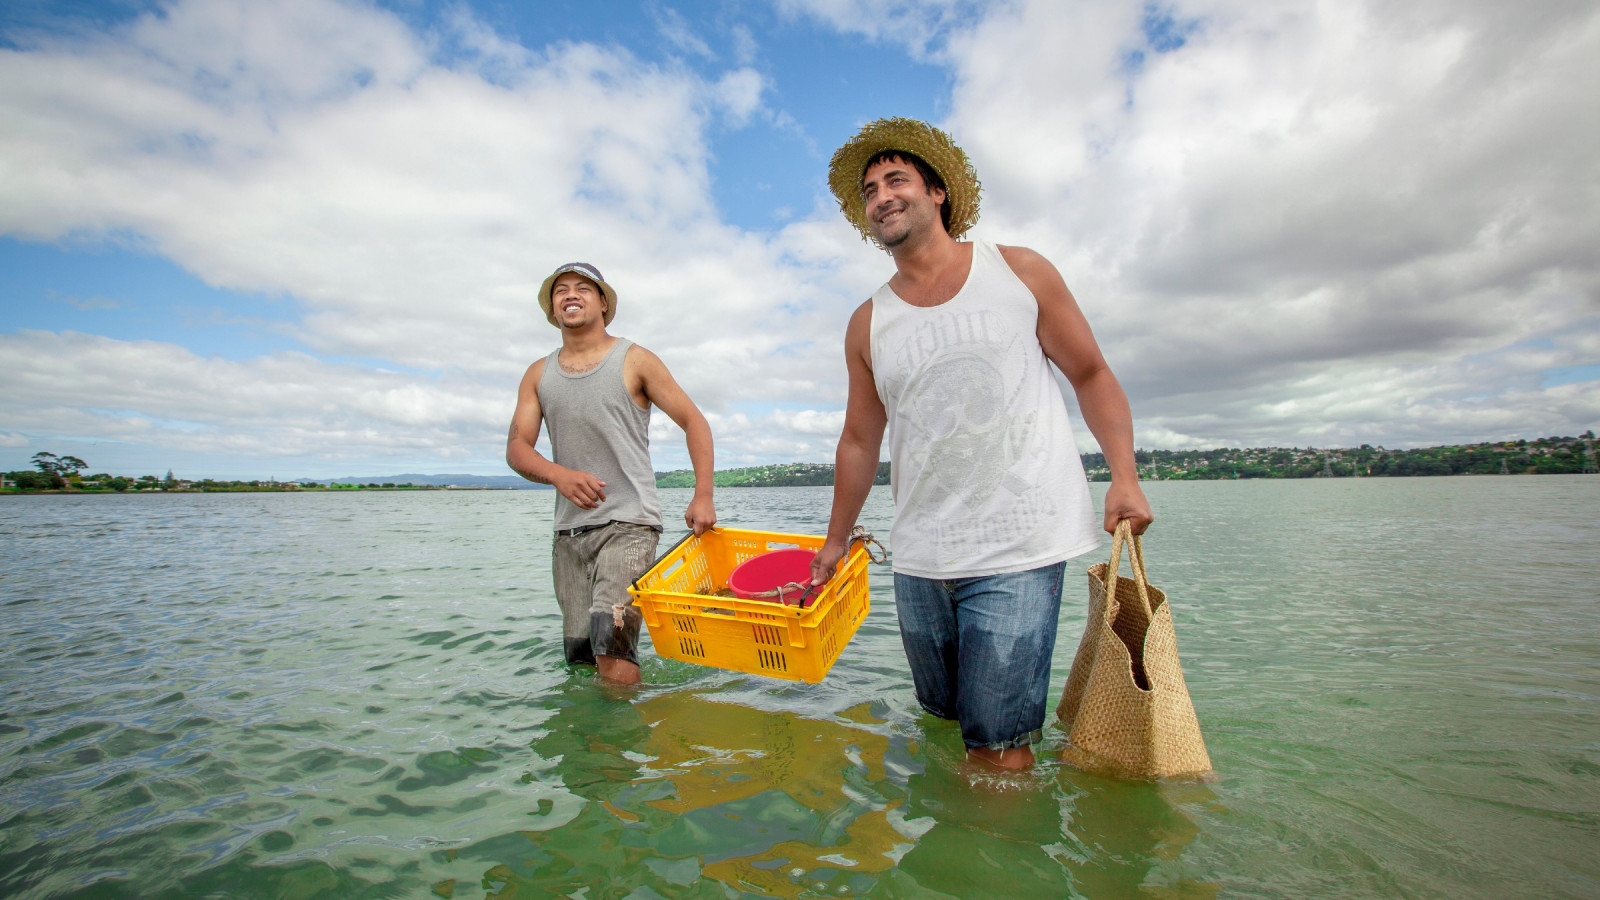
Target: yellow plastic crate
[687, 623]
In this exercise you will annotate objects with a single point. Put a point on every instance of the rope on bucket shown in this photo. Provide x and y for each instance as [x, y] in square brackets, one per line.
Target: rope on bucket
[789, 588]
[860, 533]
[781, 592]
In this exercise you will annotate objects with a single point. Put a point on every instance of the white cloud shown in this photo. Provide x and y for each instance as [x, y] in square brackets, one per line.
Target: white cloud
[414, 214]
[919, 25]
[1306, 224]
[287, 404]
[90, 304]
[1303, 204]
[739, 94]
[494, 55]
[745, 46]
[747, 440]
[676, 30]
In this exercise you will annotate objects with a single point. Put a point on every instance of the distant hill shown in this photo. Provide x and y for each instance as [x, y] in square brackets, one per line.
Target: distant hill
[501, 482]
[1553, 455]
[782, 475]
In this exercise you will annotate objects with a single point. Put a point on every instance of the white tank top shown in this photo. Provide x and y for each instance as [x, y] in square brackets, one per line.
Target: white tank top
[983, 465]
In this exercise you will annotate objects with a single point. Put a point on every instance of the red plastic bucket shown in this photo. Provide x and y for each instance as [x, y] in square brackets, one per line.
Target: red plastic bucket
[771, 570]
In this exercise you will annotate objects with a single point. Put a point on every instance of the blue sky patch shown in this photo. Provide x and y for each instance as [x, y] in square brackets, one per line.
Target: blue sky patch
[1569, 375]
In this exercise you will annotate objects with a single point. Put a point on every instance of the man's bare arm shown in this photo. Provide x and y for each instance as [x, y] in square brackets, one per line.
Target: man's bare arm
[855, 463]
[661, 389]
[583, 489]
[1067, 340]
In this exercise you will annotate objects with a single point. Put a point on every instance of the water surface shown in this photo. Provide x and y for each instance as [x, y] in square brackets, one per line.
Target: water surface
[362, 694]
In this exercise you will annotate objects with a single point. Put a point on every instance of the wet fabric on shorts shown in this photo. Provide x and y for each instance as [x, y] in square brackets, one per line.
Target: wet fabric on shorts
[592, 572]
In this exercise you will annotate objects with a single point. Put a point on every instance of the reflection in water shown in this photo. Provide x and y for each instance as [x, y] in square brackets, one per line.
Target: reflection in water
[1052, 832]
[682, 789]
[774, 800]
[684, 793]
[363, 696]
[1121, 836]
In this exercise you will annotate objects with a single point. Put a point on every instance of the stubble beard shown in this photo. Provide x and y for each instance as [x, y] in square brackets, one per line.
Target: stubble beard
[581, 321]
[893, 239]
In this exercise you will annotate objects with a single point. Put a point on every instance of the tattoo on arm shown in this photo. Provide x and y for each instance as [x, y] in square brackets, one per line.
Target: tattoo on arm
[513, 436]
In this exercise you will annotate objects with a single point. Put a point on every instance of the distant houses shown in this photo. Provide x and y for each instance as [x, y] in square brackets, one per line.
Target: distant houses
[1541, 456]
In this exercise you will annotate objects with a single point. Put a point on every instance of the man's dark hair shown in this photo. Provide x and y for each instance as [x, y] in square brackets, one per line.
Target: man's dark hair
[930, 178]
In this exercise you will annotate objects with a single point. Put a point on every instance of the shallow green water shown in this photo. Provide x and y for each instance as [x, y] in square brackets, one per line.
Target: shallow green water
[281, 695]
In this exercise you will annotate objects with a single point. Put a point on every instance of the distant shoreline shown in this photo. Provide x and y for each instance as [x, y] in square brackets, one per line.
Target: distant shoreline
[284, 488]
[60, 492]
[1540, 456]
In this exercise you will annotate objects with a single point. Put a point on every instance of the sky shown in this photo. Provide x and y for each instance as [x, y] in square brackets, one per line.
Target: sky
[304, 239]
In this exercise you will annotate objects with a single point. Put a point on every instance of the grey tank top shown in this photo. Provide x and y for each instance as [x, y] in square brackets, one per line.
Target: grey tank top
[595, 427]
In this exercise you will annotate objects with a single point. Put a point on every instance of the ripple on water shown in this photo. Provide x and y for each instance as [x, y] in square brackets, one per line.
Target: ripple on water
[267, 695]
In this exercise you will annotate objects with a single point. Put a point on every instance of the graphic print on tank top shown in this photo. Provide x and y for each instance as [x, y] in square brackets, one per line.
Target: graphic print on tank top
[968, 426]
[986, 473]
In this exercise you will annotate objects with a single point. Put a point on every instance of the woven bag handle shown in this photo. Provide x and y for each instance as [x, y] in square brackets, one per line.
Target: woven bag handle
[1136, 559]
[1124, 535]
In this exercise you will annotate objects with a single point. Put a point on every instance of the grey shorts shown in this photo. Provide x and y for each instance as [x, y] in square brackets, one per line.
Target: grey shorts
[592, 572]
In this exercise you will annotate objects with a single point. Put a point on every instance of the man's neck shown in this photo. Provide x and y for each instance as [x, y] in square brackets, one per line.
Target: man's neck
[926, 259]
[586, 340]
[931, 272]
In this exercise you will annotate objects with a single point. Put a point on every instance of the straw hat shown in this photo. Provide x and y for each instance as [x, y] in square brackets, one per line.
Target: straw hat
[587, 271]
[920, 139]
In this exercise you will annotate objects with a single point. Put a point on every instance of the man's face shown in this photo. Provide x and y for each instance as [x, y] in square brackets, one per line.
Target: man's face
[576, 300]
[898, 202]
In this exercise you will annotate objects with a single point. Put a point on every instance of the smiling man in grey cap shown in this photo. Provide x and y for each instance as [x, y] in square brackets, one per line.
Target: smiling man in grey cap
[595, 394]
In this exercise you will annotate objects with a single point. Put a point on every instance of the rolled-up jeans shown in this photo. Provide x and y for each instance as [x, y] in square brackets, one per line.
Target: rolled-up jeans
[980, 650]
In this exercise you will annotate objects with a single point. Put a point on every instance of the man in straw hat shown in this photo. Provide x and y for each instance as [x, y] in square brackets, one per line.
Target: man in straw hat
[990, 496]
[595, 394]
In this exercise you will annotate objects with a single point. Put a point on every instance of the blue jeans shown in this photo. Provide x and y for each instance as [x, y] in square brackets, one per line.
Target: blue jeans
[980, 650]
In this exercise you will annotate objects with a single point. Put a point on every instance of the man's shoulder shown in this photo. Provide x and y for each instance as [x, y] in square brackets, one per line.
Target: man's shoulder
[640, 361]
[861, 318]
[635, 351]
[1015, 254]
[1031, 267]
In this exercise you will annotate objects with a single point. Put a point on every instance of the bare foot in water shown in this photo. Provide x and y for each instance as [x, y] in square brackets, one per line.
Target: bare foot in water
[1010, 758]
[618, 671]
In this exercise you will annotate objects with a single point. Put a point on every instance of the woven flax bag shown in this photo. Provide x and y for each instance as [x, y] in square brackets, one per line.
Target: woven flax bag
[1125, 706]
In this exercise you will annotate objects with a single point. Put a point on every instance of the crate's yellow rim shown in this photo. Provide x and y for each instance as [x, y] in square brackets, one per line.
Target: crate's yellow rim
[760, 607]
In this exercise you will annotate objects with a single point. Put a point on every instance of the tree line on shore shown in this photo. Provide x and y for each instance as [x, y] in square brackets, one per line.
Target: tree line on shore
[781, 475]
[1539, 456]
[65, 473]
